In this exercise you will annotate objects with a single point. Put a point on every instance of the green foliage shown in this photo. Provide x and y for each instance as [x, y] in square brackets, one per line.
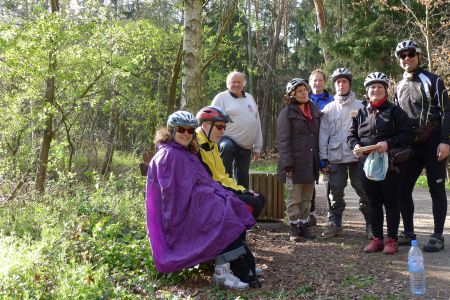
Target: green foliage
[79, 241]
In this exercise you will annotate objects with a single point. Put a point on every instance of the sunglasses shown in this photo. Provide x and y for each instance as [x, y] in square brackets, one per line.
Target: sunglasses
[189, 130]
[409, 54]
[220, 127]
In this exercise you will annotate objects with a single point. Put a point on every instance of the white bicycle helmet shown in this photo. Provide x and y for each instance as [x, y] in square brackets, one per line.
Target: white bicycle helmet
[182, 118]
[405, 45]
[376, 77]
[294, 83]
[341, 72]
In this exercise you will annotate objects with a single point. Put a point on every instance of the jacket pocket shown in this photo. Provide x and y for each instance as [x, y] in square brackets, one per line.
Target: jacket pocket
[335, 152]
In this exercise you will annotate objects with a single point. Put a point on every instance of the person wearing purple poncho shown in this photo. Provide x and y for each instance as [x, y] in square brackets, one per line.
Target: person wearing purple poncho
[190, 217]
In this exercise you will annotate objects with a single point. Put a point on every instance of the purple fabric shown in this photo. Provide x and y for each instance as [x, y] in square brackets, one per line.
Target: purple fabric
[190, 217]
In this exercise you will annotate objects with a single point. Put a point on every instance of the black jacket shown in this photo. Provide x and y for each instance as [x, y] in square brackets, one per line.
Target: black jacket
[425, 99]
[387, 123]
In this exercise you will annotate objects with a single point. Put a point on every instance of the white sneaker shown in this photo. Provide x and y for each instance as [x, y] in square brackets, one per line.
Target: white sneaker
[224, 276]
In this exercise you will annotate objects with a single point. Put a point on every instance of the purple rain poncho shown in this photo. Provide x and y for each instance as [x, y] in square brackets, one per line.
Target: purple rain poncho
[190, 217]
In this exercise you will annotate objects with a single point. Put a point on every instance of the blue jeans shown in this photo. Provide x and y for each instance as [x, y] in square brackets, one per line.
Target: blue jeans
[236, 160]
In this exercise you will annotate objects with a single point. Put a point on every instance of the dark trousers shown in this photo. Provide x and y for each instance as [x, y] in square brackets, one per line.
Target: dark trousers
[256, 202]
[384, 193]
[236, 160]
[425, 156]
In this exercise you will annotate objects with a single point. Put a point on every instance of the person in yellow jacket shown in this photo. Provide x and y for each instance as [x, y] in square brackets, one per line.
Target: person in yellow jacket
[213, 122]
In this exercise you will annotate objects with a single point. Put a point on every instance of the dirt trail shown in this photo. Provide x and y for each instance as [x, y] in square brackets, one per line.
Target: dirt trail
[338, 268]
[335, 268]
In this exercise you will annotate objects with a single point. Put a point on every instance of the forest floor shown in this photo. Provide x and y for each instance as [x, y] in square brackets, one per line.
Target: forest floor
[335, 268]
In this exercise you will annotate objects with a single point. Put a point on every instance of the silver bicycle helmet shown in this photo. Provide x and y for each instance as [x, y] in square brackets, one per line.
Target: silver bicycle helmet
[341, 72]
[406, 45]
[294, 83]
[376, 77]
[182, 118]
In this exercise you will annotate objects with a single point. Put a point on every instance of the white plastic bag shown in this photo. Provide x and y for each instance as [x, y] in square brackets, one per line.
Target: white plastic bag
[376, 166]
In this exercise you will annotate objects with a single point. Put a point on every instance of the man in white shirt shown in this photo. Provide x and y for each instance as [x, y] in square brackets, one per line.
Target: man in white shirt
[243, 136]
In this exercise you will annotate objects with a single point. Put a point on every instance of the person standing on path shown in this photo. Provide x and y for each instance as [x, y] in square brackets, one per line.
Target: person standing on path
[298, 154]
[422, 95]
[335, 122]
[243, 136]
[385, 125]
[320, 97]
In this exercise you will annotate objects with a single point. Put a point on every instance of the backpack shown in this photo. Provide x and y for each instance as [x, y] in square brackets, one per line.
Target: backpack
[244, 268]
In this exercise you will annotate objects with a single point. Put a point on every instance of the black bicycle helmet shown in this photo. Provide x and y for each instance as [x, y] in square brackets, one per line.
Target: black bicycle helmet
[294, 83]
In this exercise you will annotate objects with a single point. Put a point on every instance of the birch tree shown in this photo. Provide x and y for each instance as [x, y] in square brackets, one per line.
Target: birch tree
[191, 81]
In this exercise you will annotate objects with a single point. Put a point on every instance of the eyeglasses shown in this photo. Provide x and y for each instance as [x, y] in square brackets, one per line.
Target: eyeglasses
[409, 54]
[189, 130]
[220, 127]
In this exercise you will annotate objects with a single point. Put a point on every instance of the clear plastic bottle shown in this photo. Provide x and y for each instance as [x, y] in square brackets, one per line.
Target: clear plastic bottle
[289, 182]
[416, 270]
[325, 177]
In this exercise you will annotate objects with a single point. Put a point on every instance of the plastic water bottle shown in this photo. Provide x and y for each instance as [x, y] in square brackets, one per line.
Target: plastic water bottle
[416, 270]
[289, 182]
[325, 177]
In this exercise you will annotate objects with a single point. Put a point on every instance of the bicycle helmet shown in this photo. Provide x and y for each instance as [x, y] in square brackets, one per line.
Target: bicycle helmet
[341, 72]
[406, 45]
[376, 77]
[212, 114]
[182, 118]
[294, 83]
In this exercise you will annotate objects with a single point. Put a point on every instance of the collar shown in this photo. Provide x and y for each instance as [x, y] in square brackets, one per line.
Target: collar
[205, 144]
[235, 96]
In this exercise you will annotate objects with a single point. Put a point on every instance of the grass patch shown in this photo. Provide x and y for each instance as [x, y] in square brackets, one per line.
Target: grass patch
[357, 281]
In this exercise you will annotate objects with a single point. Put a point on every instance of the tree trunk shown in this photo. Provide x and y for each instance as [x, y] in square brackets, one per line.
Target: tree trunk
[318, 4]
[111, 142]
[191, 83]
[48, 127]
[268, 76]
[427, 37]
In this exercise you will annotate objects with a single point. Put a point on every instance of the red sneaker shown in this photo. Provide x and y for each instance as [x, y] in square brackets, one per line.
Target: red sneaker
[390, 246]
[375, 245]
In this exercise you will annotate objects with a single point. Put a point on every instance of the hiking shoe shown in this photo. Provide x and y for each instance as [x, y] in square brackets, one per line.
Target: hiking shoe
[435, 244]
[375, 245]
[312, 221]
[305, 232]
[369, 233]
[332, 230]
[390, 246]
[294, 233]
[224, 276]
[405, 238]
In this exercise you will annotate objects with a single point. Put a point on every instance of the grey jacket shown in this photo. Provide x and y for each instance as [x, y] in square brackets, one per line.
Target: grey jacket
[335, 123]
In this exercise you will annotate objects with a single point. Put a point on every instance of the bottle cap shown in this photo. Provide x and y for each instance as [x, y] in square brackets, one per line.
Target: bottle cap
[413, 243]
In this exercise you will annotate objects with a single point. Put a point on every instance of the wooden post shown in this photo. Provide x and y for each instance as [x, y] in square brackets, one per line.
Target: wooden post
[266, 183]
